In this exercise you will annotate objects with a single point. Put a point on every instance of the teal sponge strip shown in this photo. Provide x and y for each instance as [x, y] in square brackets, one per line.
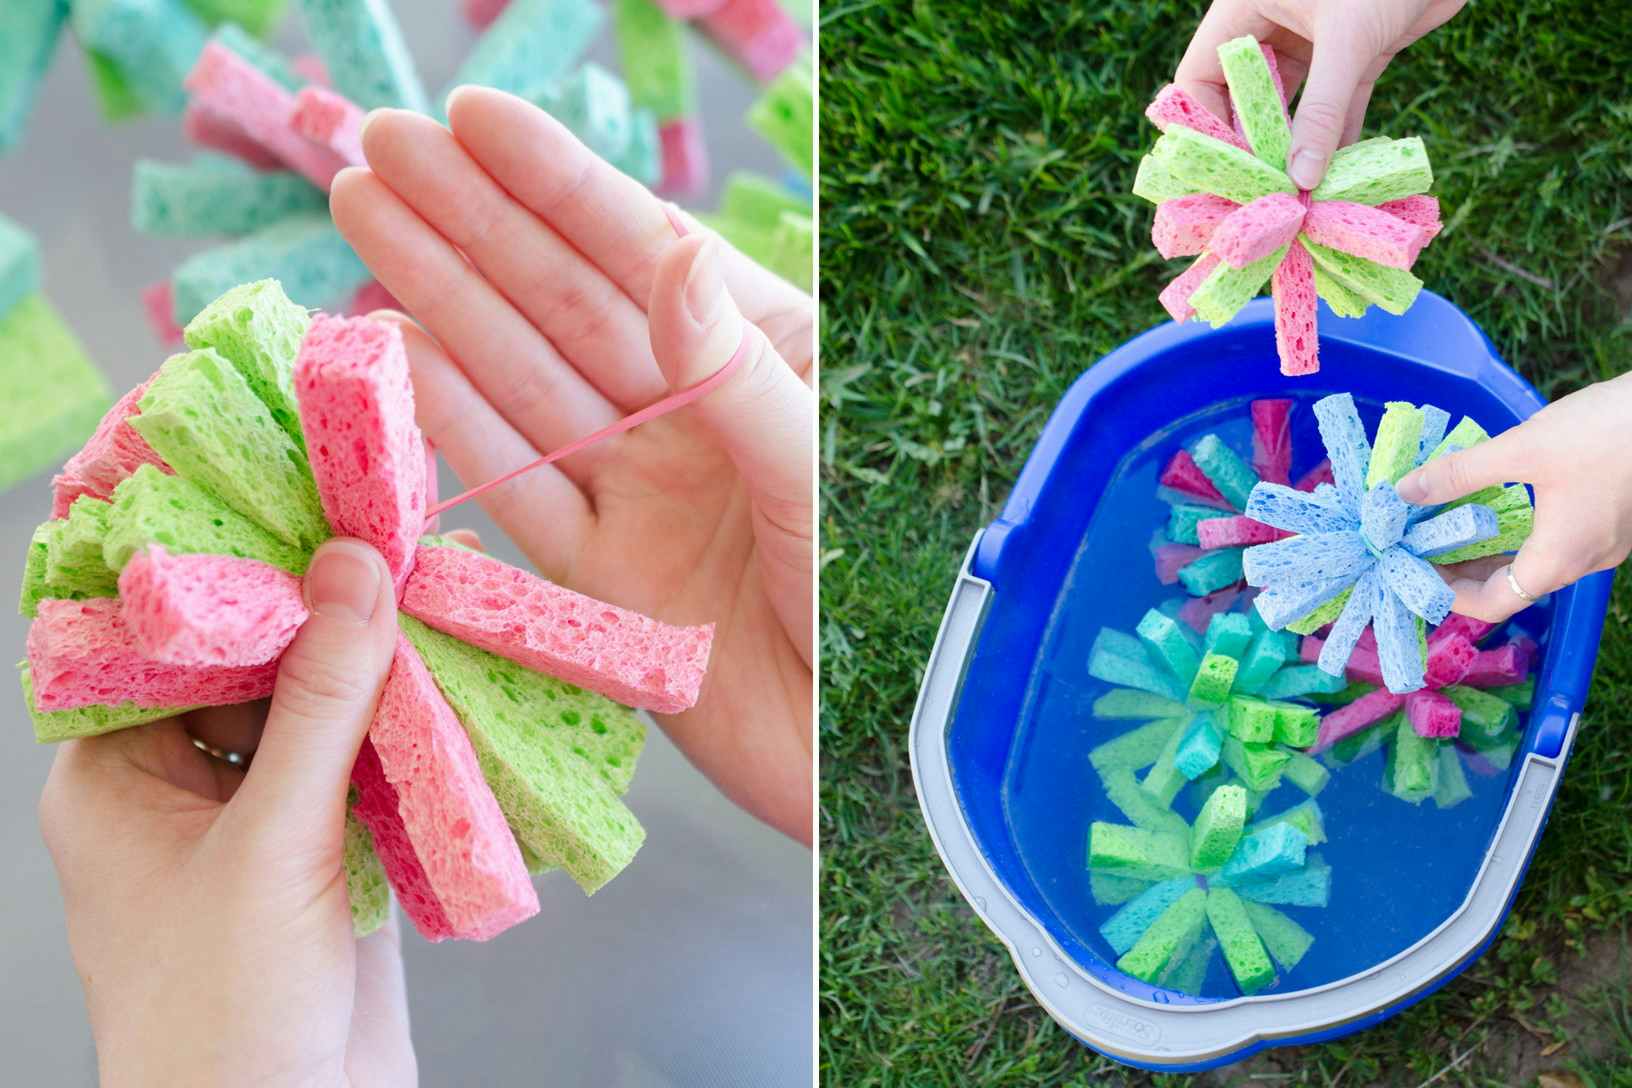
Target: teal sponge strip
[201, 416]
[73, 565]
[1226, 471]
[19, 265]
[214, 195]
[1213, 571]
[1394, 289]
[1228, 633]
[258, 329]
[785, 115]
[595, 105]
[362, 48]
[531, 45]
[554, 792]
[1123, 929]
[652, 51]
[1225, 290]
[1377, 170]
[1172, 642]
[1256, 99]
[28, 36]
[51, 726]
[54, 395]
[1207, 165]
[366, 889]
[1243, 951]
[1199, 748]
[304, 253]
[151, 507]
[153, 43]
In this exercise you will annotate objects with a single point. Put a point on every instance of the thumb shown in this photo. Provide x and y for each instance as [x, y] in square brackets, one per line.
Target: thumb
[323, 701]
[1336, 70]
[1495, 461]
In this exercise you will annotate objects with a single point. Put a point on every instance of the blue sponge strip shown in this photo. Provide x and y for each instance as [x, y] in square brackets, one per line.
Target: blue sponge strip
[1346, 445]
[1451, 530]
[1272, 851]
[1434, 422]
[1350, 624]
[1282, 605]
[533, 44]
[1220, 464]
[1382, 516]
[19, 265]
[1120, 659]
[1417, 583]
[154, 42]
[1123, 929]
[1199, 749]
[1212, 572]
[1171, 641]
[362, 47]
[1301, 680]
[1228, 634]
[28, 36]
[1309, 887]
[1319, 511]
[303, 252]
[1398, 651]
[1311, 557]
[1183, 518]
[1267, 653]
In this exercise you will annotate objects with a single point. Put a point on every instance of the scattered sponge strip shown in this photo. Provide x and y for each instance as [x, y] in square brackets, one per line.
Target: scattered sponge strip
[28, 36]
[364, 53]
[209, 609]
[1376, 171]
[54, 393]
[1184, 475]
[1168, 938]
[212, 195]
[231, 87]
[73, 565]
[202, 417]
[623, 655]
[758, 34]
[684, 157]
[1183, 226]
[1243, 951]
[80, 653]
[154, 508]
[331, 121]
[152, 43]
[51, 726]
[457, 831]
[377, 808]
[1208, 165]
[19, 265]
[367, 453]
[531, 45]
[210, 128]
[303, 252]
[1174, 106]
[555, 758]
[654, 61]
[114, 452]
[1364, 231]
[1225, 290]
[159, 306]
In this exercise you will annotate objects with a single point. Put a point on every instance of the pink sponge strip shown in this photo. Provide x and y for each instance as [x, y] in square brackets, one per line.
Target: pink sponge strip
[1496, 668]
[377, 808]
[452, 819]
[1272, 440]
[481, 13]
[1174, 106]
[1320, 474]
[1421, 210]
[1449, 659]
[1175, 297]
[760, 34]
[224, 82]
[623, 655]
[685, 157]
[432, 523]
[81, 654]
[1198, 612]
[331, 121]
[113, 452]
[1182, 474]
[1172, 558]
[1432, 714]
[1370, 708]
[372, 296]
[1254, 231]
[1365, 232]
[209, 609]
[367, 453]
[1184, 225]
[1235, 532]
[310, 67]
[159, 304]
[218, 132]
[1293, 288]
[689, 9]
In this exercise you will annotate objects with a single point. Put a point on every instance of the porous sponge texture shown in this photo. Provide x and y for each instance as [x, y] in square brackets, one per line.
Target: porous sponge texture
[452, 819]
[154, 508]
[51, 726]
[258, 329]
[209, 609]
[555, 757]
[80, 654]
[205, 421]
[1377, 170]
[114, 452]
[366, 888]
[623, 655]
[367, 453]
[376, 806]
[73, 561]
[54, 393]
[213, 195]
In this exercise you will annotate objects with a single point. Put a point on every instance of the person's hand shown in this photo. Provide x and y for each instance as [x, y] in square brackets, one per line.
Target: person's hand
[206, 907]
[1573, 454]
[555, 299]
[1341, 46]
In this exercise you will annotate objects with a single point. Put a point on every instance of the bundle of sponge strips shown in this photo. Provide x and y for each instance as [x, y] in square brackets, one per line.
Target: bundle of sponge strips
[1223, 197]
[169, 579]
[54, 394]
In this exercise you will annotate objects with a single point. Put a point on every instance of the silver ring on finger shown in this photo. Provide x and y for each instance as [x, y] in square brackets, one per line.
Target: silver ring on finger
[231, 759]
[1518, 591]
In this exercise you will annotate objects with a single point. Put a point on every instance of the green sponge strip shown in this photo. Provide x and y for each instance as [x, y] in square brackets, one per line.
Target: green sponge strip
[1296, 726]
[1513, 528]
[1394, 450]
[785, 115]
[256, 16]
[1256, 99]
[151, 507]
[754, 198]
[1154, 182]
[1217, 829]
[1394, 289]
[1213, 166]
[1259, 766]
[1484, 713]
[1137, 852]
[366, 889]
[1286, 941]
[1466, 433]
[1320, 617]
[539, 749]
[1164, 780]
[1112, 890]
[1344, 302]
[1128, 703]
[201, 416]
[1374, 171]
[1243, 951]
[1452, 787]
[1186, 974]
[1137, 748]
[1123, 791]
[1211, 685]
[1520, 695]
[115, 98]
[55, 396]
[35, 587]
[1169, 937]
[1305, 773]
[257, 328]
[1225, 290]
[1252, 720]
[51, 726]
[652, 48]
[74, 566]
[1412, 773]
[793, 248]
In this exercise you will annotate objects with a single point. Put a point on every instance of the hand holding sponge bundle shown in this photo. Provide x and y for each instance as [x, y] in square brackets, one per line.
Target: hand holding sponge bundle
[1223, 197]
[168, 580]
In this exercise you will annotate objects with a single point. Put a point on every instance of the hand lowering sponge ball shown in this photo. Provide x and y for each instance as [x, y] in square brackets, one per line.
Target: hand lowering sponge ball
[169, 580]
[1223, 197]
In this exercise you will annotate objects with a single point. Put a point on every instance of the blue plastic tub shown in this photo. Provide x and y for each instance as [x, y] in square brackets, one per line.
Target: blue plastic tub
[1001, 733]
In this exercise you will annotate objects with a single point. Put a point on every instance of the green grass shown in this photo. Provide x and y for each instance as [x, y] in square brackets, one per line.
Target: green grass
[979, 249]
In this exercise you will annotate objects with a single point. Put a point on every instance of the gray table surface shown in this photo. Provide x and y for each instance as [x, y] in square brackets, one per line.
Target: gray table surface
[692, 968]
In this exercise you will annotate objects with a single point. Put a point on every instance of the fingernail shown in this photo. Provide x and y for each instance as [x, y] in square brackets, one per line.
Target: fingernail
[1411, 488]
[343, 582]
[705, 290]
[447, 103]
[368, 119]
[1307, 168]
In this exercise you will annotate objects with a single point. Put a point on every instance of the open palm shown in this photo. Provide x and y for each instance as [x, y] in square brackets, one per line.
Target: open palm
[555, 298]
